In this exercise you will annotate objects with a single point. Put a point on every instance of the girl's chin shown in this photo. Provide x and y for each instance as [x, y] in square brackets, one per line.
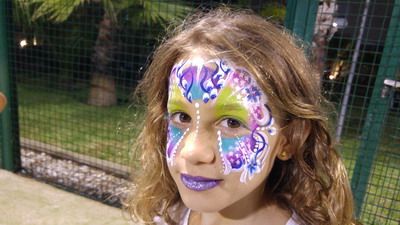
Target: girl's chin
[202, 205]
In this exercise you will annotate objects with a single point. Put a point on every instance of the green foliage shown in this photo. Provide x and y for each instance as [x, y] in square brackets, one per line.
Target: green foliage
[55, 10]
[139, 12]
[70, 28]
[274, 11]
[164, 12]
[22, 13]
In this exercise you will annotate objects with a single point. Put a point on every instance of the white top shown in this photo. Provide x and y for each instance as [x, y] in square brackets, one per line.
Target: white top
[291, 220]
[185, 219]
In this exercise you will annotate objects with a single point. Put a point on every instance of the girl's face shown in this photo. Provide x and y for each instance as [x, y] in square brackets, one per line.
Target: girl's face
[221, 134]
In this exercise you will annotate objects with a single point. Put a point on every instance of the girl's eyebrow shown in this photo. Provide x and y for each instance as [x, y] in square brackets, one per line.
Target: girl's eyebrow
[228, 104]
[232, 108]
[175, 104]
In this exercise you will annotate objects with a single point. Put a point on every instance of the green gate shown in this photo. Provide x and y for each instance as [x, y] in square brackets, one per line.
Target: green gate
[376, 170]
[361, 75]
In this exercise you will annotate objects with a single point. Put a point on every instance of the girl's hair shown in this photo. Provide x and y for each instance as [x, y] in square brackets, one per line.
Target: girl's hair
[313, 182]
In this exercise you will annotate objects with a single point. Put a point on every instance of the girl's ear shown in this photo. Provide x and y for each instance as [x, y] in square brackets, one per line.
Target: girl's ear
[293, 137]
[285, 149]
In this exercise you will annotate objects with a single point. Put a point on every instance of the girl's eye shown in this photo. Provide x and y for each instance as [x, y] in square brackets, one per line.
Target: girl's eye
[231, 123]
[181, 117]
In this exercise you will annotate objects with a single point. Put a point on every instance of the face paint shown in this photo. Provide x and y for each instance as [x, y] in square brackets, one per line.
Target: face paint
[196, 105]
[200, 80]
[233, 93]
[175, 137]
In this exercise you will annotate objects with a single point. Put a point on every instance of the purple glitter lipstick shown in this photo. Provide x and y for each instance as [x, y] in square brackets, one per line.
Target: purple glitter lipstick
[195, 183]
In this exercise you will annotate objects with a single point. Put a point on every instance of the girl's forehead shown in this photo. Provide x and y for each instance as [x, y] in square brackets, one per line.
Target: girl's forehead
[216, 81]
[202, 78]
[211, 73]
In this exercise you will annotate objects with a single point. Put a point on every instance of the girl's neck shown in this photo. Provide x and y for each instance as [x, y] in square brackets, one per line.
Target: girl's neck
[255, 209]
[268, 215]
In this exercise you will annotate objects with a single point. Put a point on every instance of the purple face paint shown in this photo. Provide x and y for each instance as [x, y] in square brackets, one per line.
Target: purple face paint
[233, 93]
[175, 137]
[198, 80]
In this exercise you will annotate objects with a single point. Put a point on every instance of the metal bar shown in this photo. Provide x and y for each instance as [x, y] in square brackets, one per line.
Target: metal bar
[290, 12]
[310, 21]
[9, 142]
[377, 110]
[354, 61]
[300, 18]
[6, 146]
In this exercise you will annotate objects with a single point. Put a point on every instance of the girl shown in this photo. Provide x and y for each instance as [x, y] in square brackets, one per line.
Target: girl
[234, 132]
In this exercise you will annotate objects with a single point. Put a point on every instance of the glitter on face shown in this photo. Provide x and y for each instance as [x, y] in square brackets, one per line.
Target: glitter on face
[233, 93]
[196, 105]
[198, 183]
[200, 80]
[175, 137]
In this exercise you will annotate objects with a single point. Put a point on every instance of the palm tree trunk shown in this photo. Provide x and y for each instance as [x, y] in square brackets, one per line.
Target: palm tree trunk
[102, 84]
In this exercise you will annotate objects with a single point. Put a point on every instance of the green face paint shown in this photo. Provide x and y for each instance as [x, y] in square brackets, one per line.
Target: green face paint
[227, 105]
[234, 104]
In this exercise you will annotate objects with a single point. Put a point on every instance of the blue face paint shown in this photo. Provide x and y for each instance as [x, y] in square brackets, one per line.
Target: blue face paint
[234, 94]
[175, 136]
[200, 81]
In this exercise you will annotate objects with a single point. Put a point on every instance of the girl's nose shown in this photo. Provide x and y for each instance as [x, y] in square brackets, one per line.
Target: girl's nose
[199, 148]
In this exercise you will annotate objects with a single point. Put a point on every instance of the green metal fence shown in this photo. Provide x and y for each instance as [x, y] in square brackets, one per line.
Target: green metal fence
[73, 65]
[361, 61]
[9, 136]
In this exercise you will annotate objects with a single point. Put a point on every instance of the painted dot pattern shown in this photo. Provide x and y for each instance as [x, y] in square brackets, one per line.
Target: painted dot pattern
[203, 81]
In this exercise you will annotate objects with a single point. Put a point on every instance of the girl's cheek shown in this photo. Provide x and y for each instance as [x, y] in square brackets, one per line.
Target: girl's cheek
[232, 152]
[175, 136]
[244, 154]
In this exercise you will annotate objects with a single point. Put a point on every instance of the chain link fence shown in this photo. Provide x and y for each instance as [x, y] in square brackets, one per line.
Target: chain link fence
[357, 49]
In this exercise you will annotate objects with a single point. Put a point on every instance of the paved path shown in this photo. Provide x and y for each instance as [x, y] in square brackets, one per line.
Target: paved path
[26, 201]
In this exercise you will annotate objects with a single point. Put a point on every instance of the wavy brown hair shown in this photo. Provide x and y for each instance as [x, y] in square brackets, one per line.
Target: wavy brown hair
[313, 182]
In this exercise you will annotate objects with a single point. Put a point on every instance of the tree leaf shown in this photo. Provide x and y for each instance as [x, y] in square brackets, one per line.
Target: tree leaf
[55, 10]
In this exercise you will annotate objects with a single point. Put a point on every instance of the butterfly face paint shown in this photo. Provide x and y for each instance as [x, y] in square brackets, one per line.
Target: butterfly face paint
[238, 108]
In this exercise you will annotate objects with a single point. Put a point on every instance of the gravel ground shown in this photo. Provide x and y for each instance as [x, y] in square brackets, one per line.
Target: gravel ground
[75, 177]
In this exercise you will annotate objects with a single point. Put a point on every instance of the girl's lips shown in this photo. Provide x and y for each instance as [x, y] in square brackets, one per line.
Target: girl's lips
[197, 183]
